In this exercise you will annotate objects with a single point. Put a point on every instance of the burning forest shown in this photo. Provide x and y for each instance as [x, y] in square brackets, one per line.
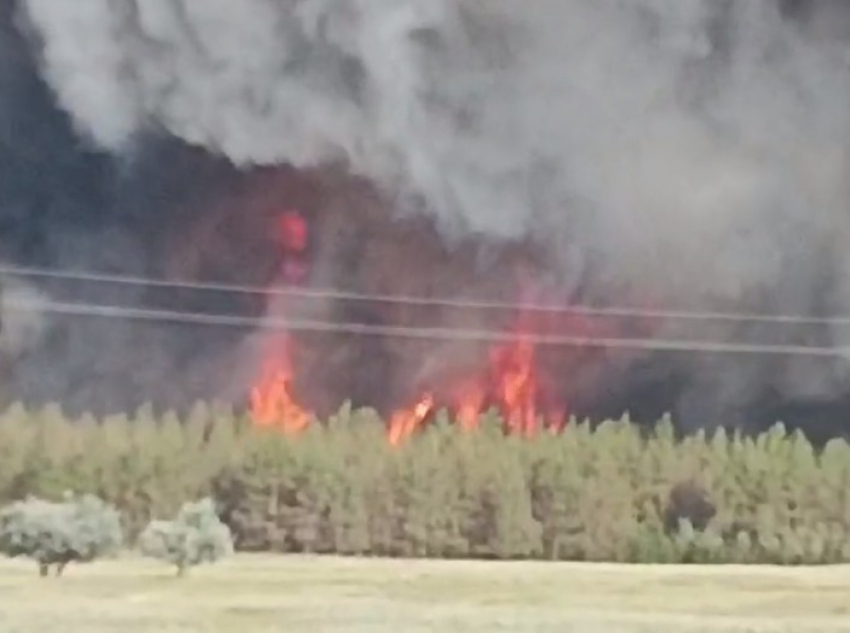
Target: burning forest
[562, 209]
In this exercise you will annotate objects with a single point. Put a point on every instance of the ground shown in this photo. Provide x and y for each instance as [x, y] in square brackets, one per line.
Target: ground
[318, 595]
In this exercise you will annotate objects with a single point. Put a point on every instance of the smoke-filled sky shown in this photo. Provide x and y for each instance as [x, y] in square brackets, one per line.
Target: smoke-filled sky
[692, 150]
[710, 133]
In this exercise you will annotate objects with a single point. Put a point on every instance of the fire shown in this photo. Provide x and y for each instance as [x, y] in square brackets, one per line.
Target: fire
[516, 385]
[406, 422]
[510, 381]
[272, 401]
[470, 402]
[512, 384]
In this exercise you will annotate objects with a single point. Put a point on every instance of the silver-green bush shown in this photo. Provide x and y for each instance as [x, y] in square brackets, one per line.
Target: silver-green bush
[195, 537]
[77, 530]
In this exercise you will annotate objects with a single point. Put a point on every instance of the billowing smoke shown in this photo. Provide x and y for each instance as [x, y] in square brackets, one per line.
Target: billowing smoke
[690, 153]
[692, 131]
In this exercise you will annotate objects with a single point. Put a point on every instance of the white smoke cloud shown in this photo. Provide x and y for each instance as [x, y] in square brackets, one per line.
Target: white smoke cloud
[574, 116]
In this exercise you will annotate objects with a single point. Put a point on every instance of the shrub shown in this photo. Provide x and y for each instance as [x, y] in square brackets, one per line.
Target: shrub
[195, 537]
[78, 530]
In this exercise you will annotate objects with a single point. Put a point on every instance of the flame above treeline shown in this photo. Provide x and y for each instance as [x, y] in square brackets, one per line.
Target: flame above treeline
[511, 383]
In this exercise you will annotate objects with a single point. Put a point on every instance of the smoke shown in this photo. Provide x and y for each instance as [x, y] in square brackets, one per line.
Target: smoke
[692, 152]
[67, 205]
[701, 132]
[22, 318]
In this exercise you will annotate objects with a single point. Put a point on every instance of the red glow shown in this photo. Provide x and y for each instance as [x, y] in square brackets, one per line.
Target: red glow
[292, 232]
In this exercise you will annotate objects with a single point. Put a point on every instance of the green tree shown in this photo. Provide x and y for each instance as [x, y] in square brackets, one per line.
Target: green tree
[77, 530]
[195, 537]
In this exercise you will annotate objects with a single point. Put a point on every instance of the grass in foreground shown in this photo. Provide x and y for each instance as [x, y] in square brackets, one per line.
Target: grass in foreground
[258, 594]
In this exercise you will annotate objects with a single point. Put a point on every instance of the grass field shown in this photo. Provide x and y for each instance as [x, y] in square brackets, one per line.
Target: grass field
[317, 595]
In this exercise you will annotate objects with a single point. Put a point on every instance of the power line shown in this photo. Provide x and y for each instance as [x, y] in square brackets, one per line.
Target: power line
[577, 310]
[437, 333]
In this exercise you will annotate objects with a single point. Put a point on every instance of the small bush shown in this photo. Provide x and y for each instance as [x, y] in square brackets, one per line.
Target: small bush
[78, 530]
[196, 537]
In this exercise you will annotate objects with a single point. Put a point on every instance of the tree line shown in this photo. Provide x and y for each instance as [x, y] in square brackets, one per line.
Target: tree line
[613, 492]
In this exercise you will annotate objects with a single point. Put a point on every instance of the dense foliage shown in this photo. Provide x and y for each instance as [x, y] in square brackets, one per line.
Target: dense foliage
[611, 493]
[196, 536]
[76, 530]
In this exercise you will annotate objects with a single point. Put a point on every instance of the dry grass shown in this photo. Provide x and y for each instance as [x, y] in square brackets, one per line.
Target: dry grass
[259, 594]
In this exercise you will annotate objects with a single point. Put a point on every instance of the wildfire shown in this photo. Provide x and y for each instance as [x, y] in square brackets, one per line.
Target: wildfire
[405, 423]
[510, 381]
[272, 402]
[470, 402]
[516, 385]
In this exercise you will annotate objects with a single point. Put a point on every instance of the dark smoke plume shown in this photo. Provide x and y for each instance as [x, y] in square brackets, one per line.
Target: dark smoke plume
[691, 153]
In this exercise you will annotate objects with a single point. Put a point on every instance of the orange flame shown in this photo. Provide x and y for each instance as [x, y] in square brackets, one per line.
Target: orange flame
[404, 423]
[272, 402]
[512, 384]
[516, 385]
[470, 401]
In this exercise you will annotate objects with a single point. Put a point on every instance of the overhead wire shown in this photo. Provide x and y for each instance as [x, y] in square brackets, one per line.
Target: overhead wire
[329, 293]
[422, 333]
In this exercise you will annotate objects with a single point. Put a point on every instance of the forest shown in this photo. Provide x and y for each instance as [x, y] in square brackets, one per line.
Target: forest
[612, 492]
